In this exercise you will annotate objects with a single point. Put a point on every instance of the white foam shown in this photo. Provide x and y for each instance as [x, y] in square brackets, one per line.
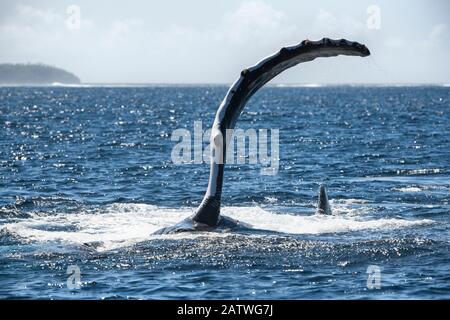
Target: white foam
[70, 85]
[122, 225]
[314, 224]
[408, 189]
[300, 85]
[418, 171]
[117, 226]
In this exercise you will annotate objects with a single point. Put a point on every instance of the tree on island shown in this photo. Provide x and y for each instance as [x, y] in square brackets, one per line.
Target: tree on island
[34, 74]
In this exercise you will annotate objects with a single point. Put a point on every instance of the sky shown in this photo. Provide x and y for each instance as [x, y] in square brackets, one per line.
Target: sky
[204, 41]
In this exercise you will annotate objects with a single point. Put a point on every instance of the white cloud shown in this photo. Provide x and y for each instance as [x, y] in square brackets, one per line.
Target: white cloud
[127, 48]
[123, 49]
[395, 42]
[34, 16]
[255, 21]
[438, 32]
[120, 31]
[333, 25]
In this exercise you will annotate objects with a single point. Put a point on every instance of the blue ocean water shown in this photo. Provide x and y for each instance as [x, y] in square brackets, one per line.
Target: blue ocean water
[86, 176]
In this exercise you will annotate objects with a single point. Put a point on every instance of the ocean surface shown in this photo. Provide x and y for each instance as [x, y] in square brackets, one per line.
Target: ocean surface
[86, 177]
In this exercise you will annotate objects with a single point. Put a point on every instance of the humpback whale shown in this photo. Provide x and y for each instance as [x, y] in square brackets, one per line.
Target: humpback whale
[207, 216]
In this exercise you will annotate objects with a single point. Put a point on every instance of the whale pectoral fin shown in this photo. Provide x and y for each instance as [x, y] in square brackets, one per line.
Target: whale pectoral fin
[208, 212]
[207, 216]
[248, 83]
[323, 205]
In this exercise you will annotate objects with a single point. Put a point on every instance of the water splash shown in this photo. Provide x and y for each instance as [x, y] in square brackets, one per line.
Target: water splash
[120, 225]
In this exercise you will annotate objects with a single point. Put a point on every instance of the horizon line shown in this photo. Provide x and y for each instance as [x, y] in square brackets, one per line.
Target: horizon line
[220, 84]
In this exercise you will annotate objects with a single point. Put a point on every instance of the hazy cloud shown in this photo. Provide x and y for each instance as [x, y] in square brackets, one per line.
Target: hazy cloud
[129, 46]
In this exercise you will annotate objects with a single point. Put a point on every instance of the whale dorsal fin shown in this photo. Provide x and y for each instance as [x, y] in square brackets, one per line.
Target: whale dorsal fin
[323, 205]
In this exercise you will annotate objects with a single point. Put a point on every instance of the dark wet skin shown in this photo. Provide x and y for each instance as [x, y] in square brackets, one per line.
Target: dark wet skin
[189, 225]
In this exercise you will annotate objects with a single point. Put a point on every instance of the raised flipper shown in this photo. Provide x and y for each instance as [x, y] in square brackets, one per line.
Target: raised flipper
[251, 79]
[323, 205]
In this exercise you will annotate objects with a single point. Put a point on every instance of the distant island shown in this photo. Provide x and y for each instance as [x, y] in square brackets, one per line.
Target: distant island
[31, 73]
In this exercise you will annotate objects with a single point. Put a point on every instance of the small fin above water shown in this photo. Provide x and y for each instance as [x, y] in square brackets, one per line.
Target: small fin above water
[323, 205]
